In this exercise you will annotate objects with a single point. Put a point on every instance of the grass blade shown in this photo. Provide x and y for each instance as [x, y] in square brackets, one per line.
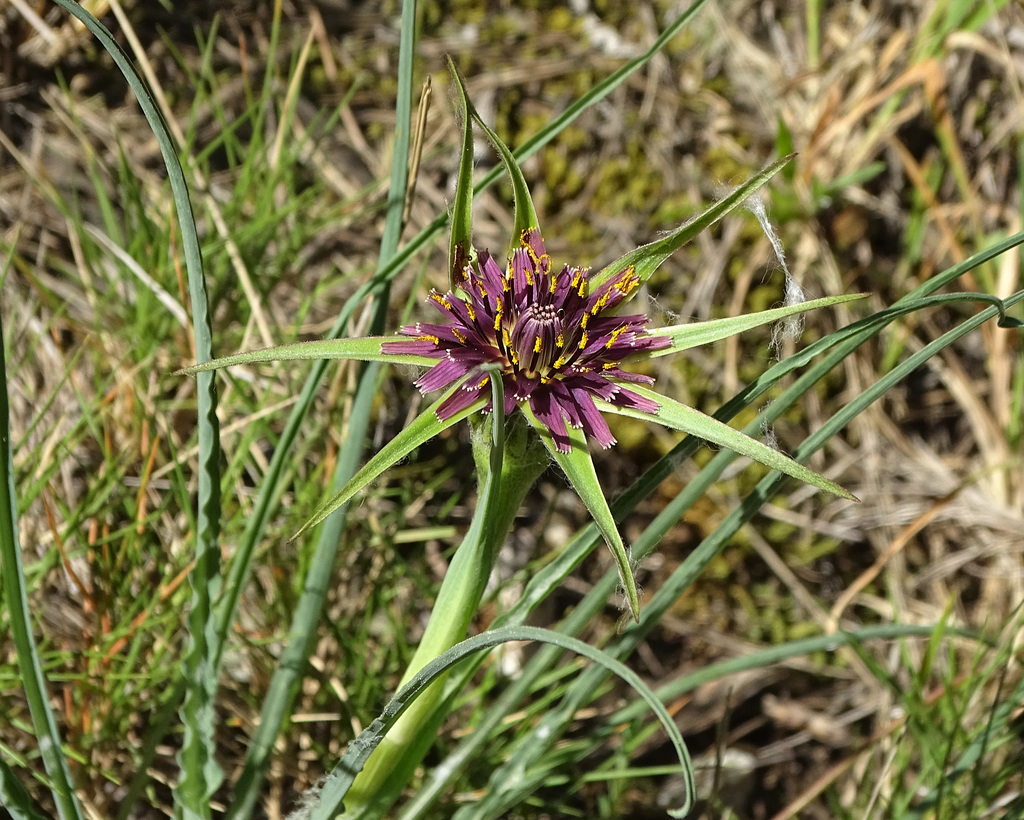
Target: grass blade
[777, 654]
[695, 334]
[199, 773]
[283, 686]
[364, 349]
[359, 750]
[648, 258]
[578, 467]
[15, 799]
[686, 419]
[426, 425]
[16, 594]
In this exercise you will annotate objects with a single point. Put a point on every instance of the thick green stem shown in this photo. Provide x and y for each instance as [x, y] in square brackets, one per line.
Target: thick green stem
[458, 600]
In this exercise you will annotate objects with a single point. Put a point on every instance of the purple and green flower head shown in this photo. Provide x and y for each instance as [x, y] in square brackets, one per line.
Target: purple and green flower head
[558, 345]
[560, 342]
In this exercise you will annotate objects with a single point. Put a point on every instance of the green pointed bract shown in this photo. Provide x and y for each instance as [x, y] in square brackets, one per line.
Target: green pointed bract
[646, 259]
[524, 214]
[365, 349]
[578, 467]
[468, 349]
[460, 247]
[681, 417]
[701, 333]
[422, 429]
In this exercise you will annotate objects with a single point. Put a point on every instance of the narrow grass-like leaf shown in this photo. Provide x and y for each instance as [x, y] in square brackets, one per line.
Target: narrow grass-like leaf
[646, 259]
[686, 419]
[833, 348]
[524, 214]
[701, 333]
[460, 241]
[771, 655]
[1002, 715]
[759, 659]
[365, 349]
[667, 693]
[578, 467]
[333, 793]
[284, 684]
[16, 594]
[199, 773]
[15, 799]
[427, 425]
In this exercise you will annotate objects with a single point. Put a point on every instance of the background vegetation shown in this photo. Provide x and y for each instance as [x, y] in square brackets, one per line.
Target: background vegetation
[907, 121]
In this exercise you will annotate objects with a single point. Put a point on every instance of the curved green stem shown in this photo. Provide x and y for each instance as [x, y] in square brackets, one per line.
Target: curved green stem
[509, 460]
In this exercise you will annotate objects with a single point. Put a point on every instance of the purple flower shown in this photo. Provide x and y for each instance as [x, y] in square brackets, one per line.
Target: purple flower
[558, 346]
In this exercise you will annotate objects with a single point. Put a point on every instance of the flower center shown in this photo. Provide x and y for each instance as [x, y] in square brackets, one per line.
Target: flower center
[537, 339]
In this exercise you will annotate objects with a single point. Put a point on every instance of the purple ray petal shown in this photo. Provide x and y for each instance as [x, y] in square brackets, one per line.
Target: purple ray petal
[460, 399]
[593, 422]
[562, 396]
[627, 398]
[441, 375]
[550, 415]
[626, 376]
[414, 347]
[594, 383]
[532, 239]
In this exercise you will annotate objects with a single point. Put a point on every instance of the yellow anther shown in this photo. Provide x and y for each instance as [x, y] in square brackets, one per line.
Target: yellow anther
[441, 299]
[536, 345]
[615, 335]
